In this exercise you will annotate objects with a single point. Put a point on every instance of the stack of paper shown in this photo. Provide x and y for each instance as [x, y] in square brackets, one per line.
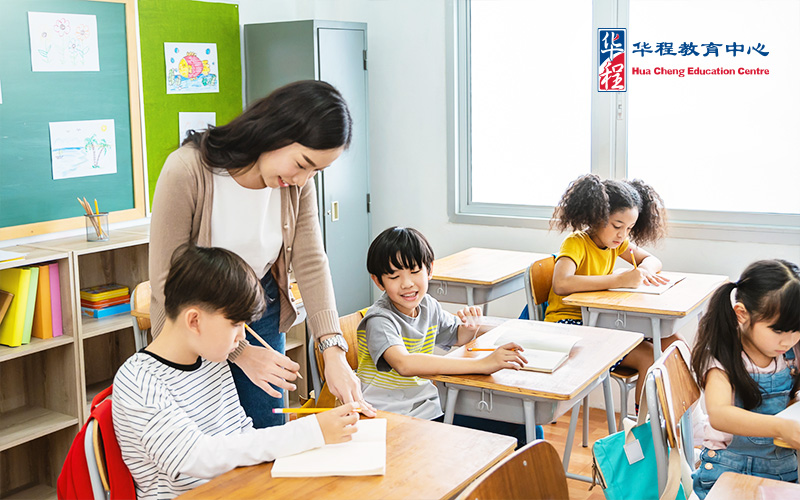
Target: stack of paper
[364, 455]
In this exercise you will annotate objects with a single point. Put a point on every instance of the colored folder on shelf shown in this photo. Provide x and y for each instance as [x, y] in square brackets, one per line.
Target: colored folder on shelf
[55, 299]
[106, 303]
[30, 307]
[17, 281]
[5, 303]
[108, 311]
[42, 311]
[6, 256]
[103, 292]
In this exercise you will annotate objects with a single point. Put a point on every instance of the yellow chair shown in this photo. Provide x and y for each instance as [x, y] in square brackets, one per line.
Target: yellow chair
[538, 282]
[532, 472]
[322, 395]
[140, 310]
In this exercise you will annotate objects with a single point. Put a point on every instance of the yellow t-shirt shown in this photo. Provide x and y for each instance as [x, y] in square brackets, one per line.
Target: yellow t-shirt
[591, 261]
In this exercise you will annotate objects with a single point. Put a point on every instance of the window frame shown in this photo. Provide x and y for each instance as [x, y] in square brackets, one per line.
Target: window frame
[608, 150]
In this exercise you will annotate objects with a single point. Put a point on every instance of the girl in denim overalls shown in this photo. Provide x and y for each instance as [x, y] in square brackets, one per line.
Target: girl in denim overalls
[746, 361]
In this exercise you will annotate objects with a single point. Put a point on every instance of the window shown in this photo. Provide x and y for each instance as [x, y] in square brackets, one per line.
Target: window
[529, 119]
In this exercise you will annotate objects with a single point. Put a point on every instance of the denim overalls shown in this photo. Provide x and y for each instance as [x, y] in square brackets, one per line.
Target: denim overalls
[754, 456]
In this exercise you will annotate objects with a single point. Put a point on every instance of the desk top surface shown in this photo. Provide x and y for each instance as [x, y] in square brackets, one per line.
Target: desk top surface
[743, 487]
[679, 300]
[596, 352]
[424, 459]
[483, 266]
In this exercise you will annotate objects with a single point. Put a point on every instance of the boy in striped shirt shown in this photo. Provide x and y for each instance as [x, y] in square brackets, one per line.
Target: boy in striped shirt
[397, 335]
[175, 409]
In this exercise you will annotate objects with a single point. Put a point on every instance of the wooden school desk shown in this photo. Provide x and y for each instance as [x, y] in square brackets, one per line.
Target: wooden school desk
[424, 459]
[478, 275]
[530, 398]
[743, 487]
[656, 316]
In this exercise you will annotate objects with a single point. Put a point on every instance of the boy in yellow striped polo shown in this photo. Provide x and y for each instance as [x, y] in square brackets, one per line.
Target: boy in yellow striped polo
[398, 333]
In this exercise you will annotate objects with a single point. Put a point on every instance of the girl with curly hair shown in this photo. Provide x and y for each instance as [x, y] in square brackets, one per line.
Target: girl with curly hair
[609, 219]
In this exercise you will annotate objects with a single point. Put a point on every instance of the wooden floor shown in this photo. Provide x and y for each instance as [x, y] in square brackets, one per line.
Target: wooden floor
[580, 461]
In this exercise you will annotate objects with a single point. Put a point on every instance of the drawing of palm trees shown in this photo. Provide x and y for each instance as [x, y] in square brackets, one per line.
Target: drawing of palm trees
[98, 149]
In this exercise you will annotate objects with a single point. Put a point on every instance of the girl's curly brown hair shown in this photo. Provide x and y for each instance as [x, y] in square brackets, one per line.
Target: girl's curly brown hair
[590, 200]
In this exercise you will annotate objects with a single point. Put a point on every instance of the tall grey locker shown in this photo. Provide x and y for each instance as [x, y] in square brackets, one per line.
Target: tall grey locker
[335, 52]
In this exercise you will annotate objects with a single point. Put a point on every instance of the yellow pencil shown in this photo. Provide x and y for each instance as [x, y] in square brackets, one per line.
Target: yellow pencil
[263, 342]
[96, 210]
[633, 259]
[304, 410]
[473, 349]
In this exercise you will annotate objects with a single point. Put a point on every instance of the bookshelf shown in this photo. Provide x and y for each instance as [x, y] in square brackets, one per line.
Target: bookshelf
[39, 394]
[105, 343]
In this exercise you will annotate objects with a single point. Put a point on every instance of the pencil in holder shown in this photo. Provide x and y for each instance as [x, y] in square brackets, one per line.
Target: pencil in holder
[96, 226]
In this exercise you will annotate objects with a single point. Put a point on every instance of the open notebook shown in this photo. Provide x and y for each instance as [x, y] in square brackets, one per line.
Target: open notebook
[545, 351]
[365, 455]
[673, 278]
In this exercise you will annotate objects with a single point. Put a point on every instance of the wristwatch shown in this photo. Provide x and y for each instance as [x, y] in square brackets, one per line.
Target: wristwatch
[334, 340]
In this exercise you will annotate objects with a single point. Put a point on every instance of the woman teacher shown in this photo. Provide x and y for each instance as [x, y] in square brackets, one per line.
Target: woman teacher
[248, 187]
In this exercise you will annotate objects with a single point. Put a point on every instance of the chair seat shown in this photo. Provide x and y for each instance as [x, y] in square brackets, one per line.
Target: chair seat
[625, 373]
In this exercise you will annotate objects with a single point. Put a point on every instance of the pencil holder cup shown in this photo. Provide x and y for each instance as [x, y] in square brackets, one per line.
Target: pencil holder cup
[96, 226]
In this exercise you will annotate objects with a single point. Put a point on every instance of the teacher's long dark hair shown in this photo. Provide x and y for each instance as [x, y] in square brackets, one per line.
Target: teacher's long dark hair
[309, 112]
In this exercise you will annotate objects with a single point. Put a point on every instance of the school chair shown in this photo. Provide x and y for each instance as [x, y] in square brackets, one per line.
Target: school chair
[538, 282]
[94, 467]
[349, 325]
[533, 472]
[140, 312]
[671, 393]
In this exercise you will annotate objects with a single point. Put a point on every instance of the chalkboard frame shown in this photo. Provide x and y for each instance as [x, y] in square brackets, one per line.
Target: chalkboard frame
[74, 221]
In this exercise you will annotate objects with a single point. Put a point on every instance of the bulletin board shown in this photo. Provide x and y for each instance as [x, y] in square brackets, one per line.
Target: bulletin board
[31, 200]
[185, 21]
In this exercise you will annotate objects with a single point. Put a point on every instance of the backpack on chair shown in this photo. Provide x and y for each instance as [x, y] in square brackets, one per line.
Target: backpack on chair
[75, 480]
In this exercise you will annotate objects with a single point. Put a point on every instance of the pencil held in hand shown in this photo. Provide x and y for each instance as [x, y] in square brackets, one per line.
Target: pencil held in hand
[305, 410]
[633, 259]
[264, 343]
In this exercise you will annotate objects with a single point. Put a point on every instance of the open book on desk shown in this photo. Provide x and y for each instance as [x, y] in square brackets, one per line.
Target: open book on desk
[364, 455]
[673, 278]
[545, 351]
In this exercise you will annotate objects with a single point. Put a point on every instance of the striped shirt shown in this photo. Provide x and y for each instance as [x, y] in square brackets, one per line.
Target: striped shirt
[180, 425]
[384, 326]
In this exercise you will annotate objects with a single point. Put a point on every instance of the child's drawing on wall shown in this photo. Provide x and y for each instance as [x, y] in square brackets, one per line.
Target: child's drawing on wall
[191, 68]
[83, 148]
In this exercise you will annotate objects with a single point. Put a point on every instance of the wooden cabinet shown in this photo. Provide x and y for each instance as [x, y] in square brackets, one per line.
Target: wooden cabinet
[46, 386]
[39, 394]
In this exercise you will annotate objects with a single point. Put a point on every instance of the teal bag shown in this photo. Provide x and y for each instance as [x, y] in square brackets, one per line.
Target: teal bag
[621, 480]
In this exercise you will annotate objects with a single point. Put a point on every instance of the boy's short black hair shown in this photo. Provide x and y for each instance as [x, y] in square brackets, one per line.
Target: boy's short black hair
[398, 248]
[214, 279]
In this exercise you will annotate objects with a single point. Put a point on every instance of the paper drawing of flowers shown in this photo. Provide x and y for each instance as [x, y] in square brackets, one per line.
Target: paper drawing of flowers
[82, 32]
[61, 27]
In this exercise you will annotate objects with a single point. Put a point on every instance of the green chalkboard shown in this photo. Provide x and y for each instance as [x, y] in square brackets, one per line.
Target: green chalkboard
[29, 196]
[185, 21]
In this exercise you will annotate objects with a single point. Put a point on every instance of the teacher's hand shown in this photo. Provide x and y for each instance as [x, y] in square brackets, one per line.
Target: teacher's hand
[267, 366]
[342, 382]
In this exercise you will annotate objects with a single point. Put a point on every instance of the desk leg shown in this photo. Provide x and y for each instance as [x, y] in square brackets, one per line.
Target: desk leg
[470, 297]
[528, 408]
[450, 407]
[656, 326]
[609, 401]
[573, 423]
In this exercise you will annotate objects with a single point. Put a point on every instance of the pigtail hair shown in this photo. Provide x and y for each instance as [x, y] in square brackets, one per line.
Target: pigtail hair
[584, 205]
[651, 226]
[718, 338]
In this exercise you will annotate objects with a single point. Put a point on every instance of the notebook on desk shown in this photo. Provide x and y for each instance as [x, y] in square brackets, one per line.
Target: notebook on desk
[673, 278]
[364, 455]
[545, 351]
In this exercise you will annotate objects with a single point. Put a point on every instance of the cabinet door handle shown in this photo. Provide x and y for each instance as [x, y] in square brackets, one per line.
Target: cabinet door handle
[334, 212]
